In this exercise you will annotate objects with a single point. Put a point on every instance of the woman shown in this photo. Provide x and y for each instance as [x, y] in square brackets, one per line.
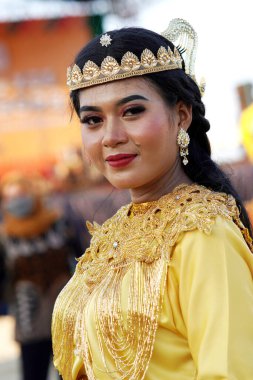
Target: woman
[36, 241]
[165, 290]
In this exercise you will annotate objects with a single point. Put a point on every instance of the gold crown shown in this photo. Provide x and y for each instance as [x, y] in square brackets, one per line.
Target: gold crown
[130, 66]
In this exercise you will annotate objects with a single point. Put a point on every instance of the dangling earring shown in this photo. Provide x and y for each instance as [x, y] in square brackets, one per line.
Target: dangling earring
[183, 140]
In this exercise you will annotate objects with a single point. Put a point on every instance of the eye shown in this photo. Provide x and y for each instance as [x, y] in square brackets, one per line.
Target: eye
[133, 111]
[91, 120]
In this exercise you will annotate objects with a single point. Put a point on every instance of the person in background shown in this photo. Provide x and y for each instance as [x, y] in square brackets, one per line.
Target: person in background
[3, 280]
[165, 289]
[39, 257]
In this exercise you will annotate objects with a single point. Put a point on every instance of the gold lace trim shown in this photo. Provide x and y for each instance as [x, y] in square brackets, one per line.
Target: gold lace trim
[138, 245]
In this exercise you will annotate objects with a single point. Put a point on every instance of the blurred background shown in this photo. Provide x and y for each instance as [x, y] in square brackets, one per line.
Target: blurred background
[40, 138]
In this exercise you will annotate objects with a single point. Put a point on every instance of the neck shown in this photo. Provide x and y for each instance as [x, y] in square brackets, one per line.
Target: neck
[159, 187]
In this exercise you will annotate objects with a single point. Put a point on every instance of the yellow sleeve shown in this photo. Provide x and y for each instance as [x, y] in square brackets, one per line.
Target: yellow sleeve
[78, 372]
[214, 274]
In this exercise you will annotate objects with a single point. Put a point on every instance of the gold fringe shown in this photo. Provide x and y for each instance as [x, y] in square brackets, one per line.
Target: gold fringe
[136, 242]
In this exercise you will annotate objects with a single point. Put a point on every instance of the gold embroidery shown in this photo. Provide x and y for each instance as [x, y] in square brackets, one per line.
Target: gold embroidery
[136, 242]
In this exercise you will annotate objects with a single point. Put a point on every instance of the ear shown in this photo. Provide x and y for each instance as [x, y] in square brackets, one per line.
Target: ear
[184, 115]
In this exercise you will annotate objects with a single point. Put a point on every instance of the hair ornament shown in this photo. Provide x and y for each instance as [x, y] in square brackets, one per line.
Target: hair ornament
[130, 65]
[105, 40]
[182, 34]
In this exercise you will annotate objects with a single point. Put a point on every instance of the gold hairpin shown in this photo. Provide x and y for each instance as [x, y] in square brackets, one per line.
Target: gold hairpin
[110, 70]
[182, 34]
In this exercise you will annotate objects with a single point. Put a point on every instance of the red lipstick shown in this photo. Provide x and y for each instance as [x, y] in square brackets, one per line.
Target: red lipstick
[120, 160]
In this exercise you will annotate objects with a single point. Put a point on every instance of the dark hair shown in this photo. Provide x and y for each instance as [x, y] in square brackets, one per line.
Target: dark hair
[174, 86]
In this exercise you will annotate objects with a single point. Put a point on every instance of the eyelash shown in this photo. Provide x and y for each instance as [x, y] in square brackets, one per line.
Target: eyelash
[88, 119]
[134, 110]
[95, 120]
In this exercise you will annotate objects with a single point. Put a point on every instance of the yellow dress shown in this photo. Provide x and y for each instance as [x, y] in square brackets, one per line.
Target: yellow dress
[165, 292]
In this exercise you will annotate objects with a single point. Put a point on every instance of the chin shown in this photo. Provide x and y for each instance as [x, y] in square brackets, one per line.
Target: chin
[120, 185]
[126, 183]
[128, 178]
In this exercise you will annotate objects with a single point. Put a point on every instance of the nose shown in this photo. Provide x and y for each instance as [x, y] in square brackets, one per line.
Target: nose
[114, 133]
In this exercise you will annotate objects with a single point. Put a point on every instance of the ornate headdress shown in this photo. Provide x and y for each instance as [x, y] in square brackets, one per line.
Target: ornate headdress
[179, 32]
[182, 34]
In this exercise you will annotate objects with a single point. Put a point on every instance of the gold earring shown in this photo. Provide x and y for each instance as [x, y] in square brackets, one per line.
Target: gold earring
[183, 140]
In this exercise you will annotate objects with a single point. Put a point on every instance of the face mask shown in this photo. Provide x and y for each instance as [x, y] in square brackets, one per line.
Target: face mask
[20, 207]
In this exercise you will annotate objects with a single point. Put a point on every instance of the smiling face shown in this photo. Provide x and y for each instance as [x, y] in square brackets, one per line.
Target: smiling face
[129, 133]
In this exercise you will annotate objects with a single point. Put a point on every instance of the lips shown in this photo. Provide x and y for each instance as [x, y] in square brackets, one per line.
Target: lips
[119, 160]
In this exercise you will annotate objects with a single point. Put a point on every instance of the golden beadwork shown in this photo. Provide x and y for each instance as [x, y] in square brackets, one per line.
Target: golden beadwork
[130, 65]
[145, 234]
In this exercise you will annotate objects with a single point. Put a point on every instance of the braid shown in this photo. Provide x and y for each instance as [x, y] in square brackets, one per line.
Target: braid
[201, 168]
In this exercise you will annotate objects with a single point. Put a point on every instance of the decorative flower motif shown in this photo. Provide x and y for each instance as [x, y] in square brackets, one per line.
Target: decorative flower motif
[76, 76]
[176, 57]
[163, 56]
[90, 70]
[109, 66]
[105, 40]
[148, 59]
[130, 62]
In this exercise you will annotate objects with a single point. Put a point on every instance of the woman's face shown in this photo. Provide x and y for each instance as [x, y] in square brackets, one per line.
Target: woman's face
[129, 133]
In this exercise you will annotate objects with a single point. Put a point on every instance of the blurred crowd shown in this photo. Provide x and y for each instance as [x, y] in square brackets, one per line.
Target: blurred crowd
[38, 251]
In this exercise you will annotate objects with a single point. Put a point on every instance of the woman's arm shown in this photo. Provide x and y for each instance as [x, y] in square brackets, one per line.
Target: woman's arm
[216, 297]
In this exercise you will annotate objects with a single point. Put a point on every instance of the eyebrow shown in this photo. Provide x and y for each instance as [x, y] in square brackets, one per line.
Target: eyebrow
[119, 103]
[130, 98]
[89, 108]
